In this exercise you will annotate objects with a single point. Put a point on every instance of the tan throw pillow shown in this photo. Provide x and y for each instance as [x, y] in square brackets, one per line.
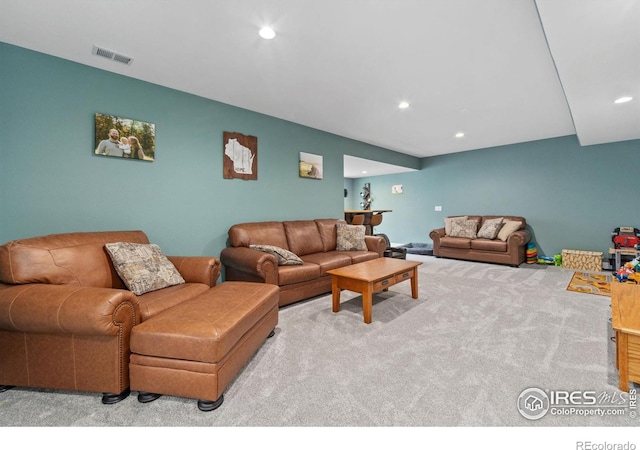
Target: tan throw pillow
[490, 228]
[142, 267]
[284, 257]
[447, 223]
[508, 227]
[350, 237]
[464, 228]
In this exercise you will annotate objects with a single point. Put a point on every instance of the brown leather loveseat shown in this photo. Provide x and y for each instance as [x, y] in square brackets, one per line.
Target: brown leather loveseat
[506, 243]
[313, 241]
[66, 316]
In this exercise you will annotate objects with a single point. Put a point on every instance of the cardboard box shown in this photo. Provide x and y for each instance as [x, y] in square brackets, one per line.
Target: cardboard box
[582, 260]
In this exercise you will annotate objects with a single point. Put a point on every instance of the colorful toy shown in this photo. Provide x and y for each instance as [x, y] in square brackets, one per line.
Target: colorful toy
[557, 259]
[532, 253]
[630, 271]
[546, 260]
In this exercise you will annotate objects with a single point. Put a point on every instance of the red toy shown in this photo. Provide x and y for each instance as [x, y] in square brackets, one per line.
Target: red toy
[626, 237]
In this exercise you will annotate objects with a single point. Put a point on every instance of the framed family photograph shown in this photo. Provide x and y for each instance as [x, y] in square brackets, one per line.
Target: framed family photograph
[124, 138]
[310, 166]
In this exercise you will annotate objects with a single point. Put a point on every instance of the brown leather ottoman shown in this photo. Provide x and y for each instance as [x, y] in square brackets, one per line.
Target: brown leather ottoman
[195, 349]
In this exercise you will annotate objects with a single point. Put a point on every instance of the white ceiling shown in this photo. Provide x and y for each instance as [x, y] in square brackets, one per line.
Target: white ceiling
[355, 167]
[501, 71]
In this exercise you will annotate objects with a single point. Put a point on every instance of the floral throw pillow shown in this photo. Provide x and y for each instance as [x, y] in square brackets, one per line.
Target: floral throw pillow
[490, 228]
[464, 228]
[142, 267]
[449, 220]
[284, 257]
[350, 237]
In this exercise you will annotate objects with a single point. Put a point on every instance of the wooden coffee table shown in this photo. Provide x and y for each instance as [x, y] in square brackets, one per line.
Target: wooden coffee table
[372, 276]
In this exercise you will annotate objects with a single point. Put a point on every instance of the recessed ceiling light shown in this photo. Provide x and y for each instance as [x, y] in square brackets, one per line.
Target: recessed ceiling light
[267, 33]
[623, 100]
[364, 171]
[403, 105]
[459, 135]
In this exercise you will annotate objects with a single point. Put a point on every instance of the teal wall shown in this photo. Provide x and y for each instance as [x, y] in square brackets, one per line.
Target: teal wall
[51, 182]
[353, 198]
[348, 200]
[572, 196]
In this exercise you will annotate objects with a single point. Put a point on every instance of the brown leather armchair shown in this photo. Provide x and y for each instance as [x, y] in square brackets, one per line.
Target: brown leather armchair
[66, 317]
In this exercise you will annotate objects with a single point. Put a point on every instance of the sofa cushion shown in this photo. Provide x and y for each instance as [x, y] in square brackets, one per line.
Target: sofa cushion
[265, 233]
[508, 227]
[142, 267]
[303, 237]
[284, 257]
[328, 233]
[297, 274]
[69, 258]
[492, 245]
[360, 256]
[155, 302]
[328, 260]
[455, 242]
[350, 237]
[464, 228]
[205, 328]
[490, 228]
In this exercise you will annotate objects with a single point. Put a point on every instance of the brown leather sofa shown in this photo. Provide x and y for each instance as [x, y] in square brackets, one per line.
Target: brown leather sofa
[66, 316]
[314, 241]
[512, 251]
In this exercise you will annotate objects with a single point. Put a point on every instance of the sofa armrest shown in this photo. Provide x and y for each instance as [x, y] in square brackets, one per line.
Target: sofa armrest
[376, 244]
[67, 309]
[437, 233]
[197, 269]
[518, 238]
[246, 264]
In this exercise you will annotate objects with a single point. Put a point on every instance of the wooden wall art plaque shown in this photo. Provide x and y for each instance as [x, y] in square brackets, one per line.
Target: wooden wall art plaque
[240, 156]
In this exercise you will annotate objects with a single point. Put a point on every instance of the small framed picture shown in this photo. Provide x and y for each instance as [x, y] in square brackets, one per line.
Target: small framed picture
[310, 166]
[124, 138]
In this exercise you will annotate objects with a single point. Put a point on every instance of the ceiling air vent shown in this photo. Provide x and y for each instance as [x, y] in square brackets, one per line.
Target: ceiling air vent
[111, 55]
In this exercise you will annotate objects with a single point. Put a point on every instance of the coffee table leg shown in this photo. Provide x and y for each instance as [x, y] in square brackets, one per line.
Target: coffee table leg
[414, 284]
[367, 302]
[335, 294]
